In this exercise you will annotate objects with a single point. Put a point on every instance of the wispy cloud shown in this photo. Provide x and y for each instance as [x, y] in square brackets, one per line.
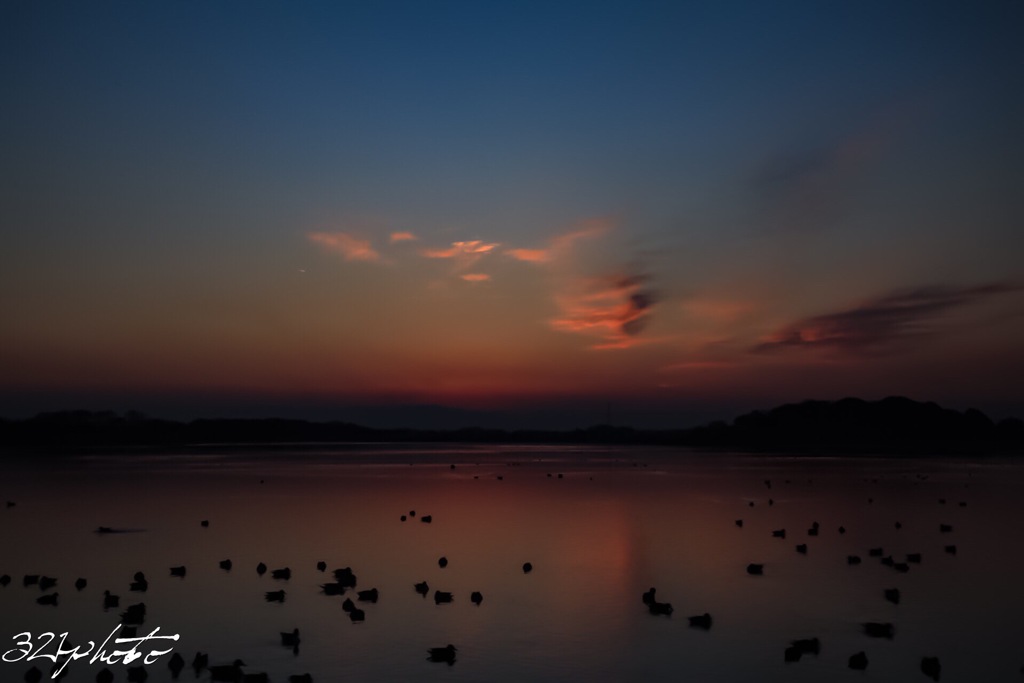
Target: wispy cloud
[561, 244]
[615, 310]
[809, 187]
[463, 256]
[698, 365]
[530, 255]
[402, 237]
[469, 248]
[877, 324]
[352, 248]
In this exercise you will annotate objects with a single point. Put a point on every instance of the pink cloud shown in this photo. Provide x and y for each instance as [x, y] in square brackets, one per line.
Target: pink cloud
[530, 255]
[562, 244]
[461, 249]
[352, 248]
[698, 365]
[402, 237]
[613, 309]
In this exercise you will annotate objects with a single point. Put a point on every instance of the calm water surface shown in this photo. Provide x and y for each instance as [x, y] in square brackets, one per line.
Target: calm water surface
[617, 522]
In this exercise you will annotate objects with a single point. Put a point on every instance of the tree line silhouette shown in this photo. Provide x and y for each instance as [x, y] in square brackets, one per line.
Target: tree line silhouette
[891, 425]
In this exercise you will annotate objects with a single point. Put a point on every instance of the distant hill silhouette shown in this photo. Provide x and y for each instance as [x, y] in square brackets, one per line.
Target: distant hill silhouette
[892, 425]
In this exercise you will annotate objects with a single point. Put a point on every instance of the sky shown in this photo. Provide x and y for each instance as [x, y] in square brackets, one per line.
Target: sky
[653, 213]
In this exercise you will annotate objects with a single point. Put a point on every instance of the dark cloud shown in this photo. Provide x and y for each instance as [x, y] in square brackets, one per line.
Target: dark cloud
[881, 322]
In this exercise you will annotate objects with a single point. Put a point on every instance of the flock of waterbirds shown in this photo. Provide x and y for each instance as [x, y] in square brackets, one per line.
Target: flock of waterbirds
[235, 672]
[930, 665]
[345, 579]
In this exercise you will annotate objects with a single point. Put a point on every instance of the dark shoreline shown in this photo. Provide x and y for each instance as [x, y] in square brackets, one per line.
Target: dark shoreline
[892, 426]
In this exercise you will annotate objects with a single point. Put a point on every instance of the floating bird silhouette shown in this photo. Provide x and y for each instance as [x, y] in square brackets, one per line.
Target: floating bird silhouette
[345, 577]
[779, 533]
[110, 601]
[30, 580]
[5, 579]
[227, 673]
[357, 614]
[444, 654]
[50, 599]
[892, 595]
[261, 569]
[178, 572]
[799, 648]
[300, 678]
[443, 562]
[200, 662]
[274, 596]
[755, 569]
[701, 621]
[859, 661]
[527, 567]
[33, 675]
[931, 668]
[321, 566]
[290, 639]
[442, 596]
[348, 605]
[426, 519]
[139, 585]
[176, 664]
[135, 614]
[368, 595]
[137, 674]
[422, 588]
[225, 565]
[105, 676]
[879, 630]
[739, 523]
[476, 597]
[664, 608]
[283, 574]
[46, 583]
[853, 559]
[332, 588]
[80, 584]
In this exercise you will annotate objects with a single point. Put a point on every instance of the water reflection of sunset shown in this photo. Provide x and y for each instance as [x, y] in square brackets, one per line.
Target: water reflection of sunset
[615, 524]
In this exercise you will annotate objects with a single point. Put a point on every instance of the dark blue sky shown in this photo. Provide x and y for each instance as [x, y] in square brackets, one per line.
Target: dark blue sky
[661, 204]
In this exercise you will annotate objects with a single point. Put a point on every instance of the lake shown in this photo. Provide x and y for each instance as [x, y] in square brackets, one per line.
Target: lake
[600, 526]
